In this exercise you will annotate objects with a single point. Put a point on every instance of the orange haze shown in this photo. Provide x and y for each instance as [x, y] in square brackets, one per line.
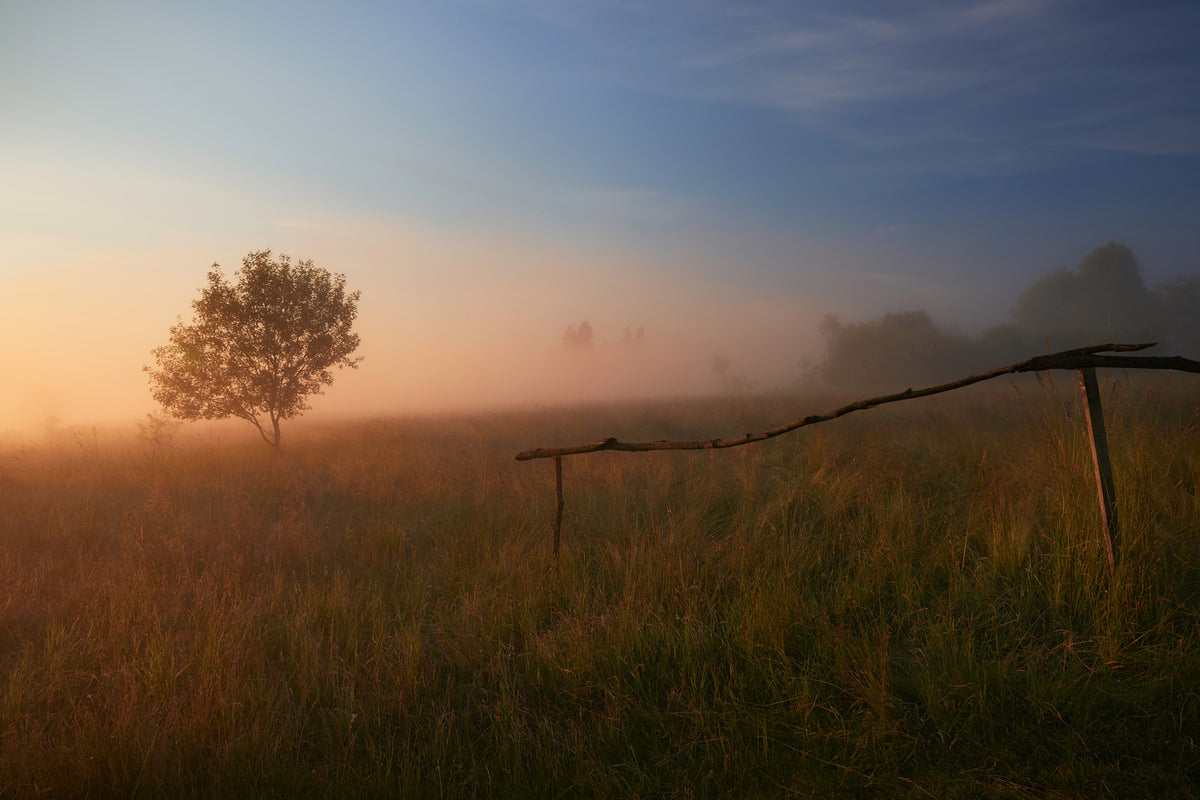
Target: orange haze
[449, 320]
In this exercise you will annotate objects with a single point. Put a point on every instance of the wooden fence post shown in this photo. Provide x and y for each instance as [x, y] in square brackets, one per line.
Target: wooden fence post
[1083, 359]
[1104, 478]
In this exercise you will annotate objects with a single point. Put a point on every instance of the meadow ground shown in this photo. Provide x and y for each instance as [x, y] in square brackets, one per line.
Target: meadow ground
[907, 602]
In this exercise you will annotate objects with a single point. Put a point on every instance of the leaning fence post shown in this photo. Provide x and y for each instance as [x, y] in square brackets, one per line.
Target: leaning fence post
[1104, 477]
[559, 496]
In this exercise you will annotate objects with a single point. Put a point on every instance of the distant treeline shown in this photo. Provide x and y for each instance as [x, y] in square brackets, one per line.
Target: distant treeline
[1104, 300]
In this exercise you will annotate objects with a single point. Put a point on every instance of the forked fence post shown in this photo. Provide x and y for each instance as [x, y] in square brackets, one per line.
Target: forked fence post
[1105, 487]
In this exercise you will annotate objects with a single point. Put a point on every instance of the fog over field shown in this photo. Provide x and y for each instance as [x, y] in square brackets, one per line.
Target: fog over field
[449, 339]
[519, 244]
[490, 175]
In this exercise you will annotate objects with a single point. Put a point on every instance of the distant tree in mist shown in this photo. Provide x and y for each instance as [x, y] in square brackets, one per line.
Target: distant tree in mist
[1104, 300]
[1179, 303]
[631, 337]
[257, 349]
[1002, 344]
[731, 381]
[901, 349]
[579, 338]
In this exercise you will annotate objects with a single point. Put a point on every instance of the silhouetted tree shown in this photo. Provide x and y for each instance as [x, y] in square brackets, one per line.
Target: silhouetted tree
[257, 349]
[1179, 302]
[581, 338]
[901, 348]
[1104, 300]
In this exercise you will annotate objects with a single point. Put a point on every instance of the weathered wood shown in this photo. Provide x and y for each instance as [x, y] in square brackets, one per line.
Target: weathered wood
[1067, 359]
[558, 514]
[1105, 487]
[1084, 359]
[1056, 361]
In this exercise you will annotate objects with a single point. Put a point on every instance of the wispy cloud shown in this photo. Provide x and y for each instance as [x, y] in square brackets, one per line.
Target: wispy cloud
[1011, 82]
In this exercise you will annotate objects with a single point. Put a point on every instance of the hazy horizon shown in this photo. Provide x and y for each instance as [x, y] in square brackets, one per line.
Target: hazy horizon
[487, 173]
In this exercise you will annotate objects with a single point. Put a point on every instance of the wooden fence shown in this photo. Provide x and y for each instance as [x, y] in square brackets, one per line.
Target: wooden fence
[1085, 360]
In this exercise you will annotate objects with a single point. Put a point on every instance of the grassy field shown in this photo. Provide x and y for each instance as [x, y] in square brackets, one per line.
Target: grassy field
[906, 602]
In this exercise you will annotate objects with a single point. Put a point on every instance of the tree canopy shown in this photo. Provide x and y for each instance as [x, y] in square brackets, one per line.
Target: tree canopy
[258, 348]
[1105, 299]
[902, 346]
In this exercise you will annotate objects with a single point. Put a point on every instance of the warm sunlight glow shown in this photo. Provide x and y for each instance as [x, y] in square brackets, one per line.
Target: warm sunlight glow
[370, 508]
[722, 185]
[475, 321]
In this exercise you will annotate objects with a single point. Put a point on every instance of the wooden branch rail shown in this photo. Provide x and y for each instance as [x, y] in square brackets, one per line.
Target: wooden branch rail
[1068, 359]
[1084, 359]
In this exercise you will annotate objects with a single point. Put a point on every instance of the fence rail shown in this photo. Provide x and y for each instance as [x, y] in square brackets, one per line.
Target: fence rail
[1084, 357]
[1085, 360]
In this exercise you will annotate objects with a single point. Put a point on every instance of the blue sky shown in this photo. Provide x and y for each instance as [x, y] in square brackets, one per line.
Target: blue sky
[722, 173]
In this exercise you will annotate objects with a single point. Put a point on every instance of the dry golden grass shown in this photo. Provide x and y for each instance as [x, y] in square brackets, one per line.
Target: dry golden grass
[906, 602]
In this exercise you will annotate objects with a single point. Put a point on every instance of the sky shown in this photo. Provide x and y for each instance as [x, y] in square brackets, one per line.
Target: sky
[488, 172]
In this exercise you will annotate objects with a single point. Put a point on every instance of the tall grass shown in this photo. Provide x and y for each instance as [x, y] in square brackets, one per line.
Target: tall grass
[902, 603]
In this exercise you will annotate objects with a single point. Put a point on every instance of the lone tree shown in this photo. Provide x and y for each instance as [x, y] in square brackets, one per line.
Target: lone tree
[257, 349]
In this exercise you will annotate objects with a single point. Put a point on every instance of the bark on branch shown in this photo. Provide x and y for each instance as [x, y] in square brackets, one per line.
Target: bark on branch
[1068, 359]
